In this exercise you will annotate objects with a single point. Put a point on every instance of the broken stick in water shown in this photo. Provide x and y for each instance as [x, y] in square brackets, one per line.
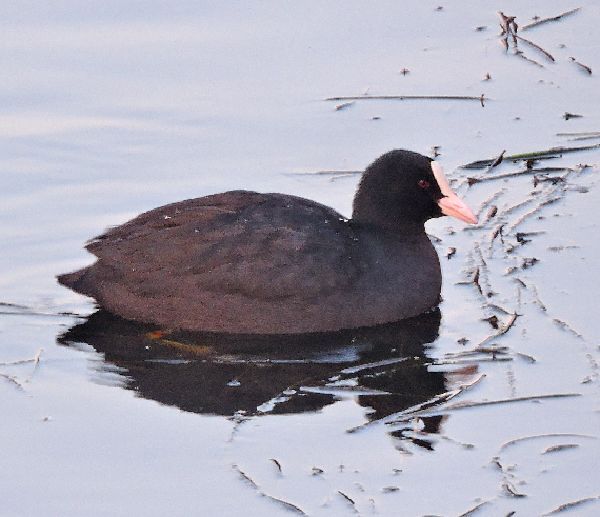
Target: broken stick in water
[418, 409]
[568, 506]
[482, 98]
[349, 500]
[343, 106]
[13, 380]
[536, 155]
[497, 161]
[545, 435]
[537, 47]
[510, 490]
[580, 133]
[549, 19]
[501, 330]
[327, 173]
[475, 508]
[287, 505]
[581, 65]
[542, 170]
[465, 405]
[277, 464]
[520, 54]
[560, 447]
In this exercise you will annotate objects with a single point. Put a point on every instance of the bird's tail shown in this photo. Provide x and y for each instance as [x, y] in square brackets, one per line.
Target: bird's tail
[76, 281]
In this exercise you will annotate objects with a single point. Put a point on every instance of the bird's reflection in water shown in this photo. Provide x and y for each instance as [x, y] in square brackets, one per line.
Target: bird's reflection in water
[383, 368]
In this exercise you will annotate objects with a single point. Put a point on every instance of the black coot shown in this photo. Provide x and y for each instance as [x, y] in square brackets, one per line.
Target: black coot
[249, 263]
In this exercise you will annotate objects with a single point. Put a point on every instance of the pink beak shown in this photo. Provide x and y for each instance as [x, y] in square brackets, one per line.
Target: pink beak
[451, 204]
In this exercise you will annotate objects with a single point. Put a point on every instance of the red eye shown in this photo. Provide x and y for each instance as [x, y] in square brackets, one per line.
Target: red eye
[423, 184]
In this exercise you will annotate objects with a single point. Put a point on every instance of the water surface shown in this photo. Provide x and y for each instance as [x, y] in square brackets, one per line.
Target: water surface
[114, 108]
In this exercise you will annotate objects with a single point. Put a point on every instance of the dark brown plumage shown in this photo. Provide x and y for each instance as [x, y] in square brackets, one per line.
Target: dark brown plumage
[244, 262]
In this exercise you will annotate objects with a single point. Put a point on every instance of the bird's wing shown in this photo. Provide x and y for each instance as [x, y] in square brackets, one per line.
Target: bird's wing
[264, 246]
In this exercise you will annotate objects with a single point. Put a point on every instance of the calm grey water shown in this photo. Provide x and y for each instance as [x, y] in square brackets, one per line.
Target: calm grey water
[113, 108]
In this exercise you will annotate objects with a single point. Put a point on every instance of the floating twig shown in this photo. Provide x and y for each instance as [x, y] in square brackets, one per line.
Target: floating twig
[562, 248]
[522, 236]
[286, 504]
[36, 358]
[501, 330]
[36, 362]
[550, 19]
[508, 24]
[536, 296]
[497, 231]
[565, 326]
[349, 500]
[482, 98]
[20, 361]
[326, 173]
[465, 405]
[253, 484]
[476, 508]
[510, 490]
[520, 54]
[581, 65]
[580, 133]
[245, 476]
[420, 408]
[581, 138]
[498, 160]
[547, 179]
[476, 360]
[523, 172]
[13, 380]
[560, 447]
[537, 47]
[532, 212]
[477, 351]
[545, 435]
[343, 106]
[527, 357]
[491, 212]
[14, 305]
[486, 202]
[567, 506]
[535, 155]
[341, 176]
[475, 280]
[499, 308]
[438, 399]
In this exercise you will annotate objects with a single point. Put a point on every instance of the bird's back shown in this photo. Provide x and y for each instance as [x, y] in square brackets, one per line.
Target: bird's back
[238, 261]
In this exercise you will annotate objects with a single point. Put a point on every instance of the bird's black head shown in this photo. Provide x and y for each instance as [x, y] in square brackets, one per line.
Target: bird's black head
[397, 190]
